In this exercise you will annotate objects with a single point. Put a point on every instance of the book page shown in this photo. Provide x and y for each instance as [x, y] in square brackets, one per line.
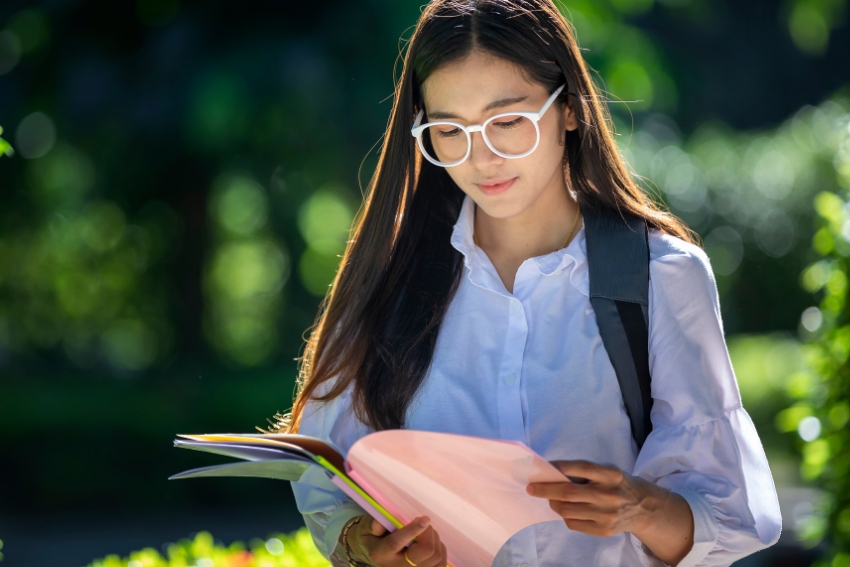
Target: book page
[276, 469]
[245, 451]
[311, 445]
[473, 489]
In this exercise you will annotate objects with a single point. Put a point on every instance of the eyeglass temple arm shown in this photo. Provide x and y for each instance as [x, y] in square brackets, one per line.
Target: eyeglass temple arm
[419, 116]
[552, 98]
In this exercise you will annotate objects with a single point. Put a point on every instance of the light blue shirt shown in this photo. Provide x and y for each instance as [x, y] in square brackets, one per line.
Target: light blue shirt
[530, 366]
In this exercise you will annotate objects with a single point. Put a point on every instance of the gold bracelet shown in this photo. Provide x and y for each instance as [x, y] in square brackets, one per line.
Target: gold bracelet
[344, 538]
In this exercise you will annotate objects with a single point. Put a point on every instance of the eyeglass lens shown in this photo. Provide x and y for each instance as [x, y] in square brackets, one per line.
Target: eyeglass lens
[510, 135]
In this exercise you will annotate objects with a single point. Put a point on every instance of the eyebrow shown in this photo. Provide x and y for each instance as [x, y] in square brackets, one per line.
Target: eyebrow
[501, 103]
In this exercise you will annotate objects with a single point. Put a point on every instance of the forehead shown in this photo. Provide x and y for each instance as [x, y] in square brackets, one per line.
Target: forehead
[469, 84]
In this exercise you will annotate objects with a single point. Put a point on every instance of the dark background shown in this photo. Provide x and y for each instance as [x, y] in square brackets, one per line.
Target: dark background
[119, 323]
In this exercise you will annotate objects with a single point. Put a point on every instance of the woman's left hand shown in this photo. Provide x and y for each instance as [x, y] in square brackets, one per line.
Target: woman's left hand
[602, 500]
[599, 500]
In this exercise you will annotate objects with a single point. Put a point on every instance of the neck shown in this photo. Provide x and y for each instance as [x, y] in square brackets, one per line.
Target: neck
[540, 229]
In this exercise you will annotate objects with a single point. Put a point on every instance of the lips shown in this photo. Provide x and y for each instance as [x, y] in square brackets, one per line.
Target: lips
[496, 186]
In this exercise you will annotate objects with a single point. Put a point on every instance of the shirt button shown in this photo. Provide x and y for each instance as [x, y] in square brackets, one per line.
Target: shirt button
[510, 378]
[516, 306]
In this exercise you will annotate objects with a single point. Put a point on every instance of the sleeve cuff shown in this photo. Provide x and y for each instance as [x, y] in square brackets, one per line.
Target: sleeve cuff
[337, 520]
[705, 527]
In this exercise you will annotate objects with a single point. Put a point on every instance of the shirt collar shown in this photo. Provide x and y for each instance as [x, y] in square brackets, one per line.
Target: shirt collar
[482, 273]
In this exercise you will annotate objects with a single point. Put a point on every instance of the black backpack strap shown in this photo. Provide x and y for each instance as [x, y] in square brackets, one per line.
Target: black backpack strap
[618, 264]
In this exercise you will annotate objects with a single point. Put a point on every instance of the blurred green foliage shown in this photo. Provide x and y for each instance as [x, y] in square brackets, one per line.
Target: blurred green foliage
[749, 195]
[279, 550]
[89, 274]
[629, 61]
[184, 179]
[810, 23]
[245, 274]
[769, 369]
[821, 411]
[80, 282]
[5, 147]
[324, 222]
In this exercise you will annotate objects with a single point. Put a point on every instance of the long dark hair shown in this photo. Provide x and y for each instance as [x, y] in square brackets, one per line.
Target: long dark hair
[379, 322]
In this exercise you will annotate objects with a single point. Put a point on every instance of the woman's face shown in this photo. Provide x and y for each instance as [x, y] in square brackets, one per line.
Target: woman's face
[501, 187]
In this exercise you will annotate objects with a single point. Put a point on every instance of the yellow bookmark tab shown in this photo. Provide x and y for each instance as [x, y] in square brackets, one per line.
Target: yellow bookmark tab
[344, 477]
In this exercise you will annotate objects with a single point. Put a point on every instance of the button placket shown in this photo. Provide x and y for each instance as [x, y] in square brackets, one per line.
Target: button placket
[511, 423]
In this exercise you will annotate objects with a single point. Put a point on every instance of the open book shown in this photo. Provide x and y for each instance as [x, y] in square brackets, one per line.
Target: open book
[473, 489]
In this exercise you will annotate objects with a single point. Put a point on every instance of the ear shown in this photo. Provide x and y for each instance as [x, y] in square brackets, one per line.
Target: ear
[570, 119]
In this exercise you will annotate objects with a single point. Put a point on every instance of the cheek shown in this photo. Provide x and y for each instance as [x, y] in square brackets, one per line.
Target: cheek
[547, 159]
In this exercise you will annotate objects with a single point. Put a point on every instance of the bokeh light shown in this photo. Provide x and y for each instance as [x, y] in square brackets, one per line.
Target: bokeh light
[809, 428]
[62, 179]
[10, 51]
[725, 249]
[811, 319]
[130, 344]
[245, 274]
[324, 221]
[240, 205]
[219, 112]
[35, 135]
[274, 546]
[33, 29]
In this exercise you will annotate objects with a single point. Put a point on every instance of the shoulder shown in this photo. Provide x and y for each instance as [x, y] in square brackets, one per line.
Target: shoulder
[672, 258]
[666, 246]
[681, 283]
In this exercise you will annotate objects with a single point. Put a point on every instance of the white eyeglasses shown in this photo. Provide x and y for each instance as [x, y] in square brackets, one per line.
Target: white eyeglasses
[510, 135]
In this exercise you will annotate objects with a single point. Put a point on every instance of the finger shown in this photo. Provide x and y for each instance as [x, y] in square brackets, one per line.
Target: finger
[368, 526]
[426, 548]
[436, 560]
[402, 536]
[590, 528]
[585, 469]
[377, 528]
[443, 559]
[565, 491]
[579, 511]
[439, 557]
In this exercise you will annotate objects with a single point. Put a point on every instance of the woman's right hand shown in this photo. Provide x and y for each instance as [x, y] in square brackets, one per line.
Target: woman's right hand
[371, 543]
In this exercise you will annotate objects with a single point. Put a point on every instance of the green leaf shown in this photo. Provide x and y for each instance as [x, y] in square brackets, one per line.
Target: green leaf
[5, 147]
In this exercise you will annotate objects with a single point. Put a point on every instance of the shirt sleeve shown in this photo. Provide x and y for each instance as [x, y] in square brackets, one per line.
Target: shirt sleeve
[323, 505]
[703, 445]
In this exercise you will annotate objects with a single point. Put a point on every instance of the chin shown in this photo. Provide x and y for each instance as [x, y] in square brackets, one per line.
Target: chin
[498, 208]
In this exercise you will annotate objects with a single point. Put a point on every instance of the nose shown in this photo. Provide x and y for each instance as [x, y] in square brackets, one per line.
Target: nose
[480, 154]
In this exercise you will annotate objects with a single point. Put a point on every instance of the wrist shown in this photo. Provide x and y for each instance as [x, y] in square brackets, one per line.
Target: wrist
[654, 501]
[350, 552]
[667, 526]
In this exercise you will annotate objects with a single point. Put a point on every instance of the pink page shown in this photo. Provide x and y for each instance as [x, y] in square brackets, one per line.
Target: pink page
[473, 489]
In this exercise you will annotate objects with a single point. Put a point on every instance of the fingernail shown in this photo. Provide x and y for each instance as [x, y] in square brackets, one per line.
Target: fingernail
[424, 522]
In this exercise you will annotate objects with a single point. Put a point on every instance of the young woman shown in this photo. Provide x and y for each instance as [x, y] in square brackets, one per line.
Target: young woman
[461, 305]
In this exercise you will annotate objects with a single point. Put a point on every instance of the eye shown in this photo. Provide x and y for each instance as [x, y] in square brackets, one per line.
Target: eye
[448, 133]
[509, 123]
